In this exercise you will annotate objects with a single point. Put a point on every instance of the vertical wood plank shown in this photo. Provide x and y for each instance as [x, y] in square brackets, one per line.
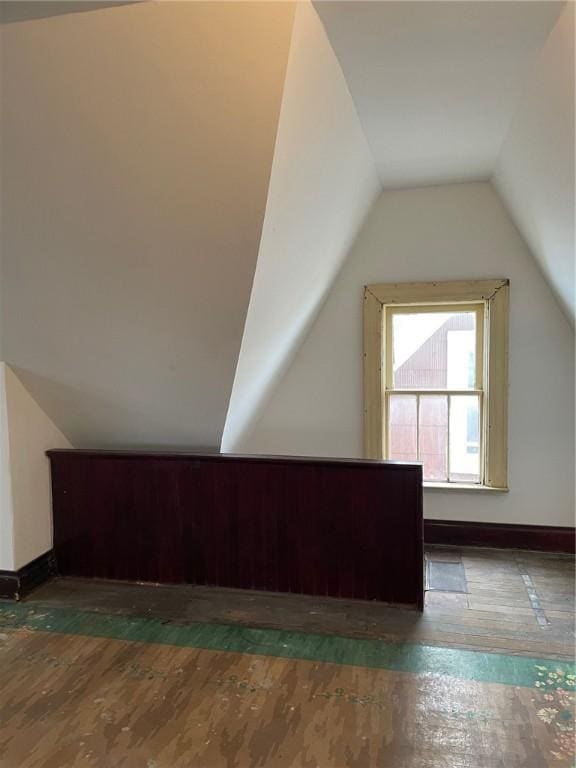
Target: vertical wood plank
[344, 528]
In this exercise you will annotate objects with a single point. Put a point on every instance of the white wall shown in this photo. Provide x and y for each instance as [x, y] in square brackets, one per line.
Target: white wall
[535, 170]
[6, 506]
[25, 496]
[323, 184]
[137, 144]
[30, 434]
[441, 233]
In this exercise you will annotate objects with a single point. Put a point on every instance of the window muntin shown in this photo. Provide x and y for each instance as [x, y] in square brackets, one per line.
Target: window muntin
[434, 389]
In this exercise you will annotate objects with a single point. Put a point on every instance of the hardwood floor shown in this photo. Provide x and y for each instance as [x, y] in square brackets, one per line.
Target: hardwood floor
[519, 601]
[513, 602]
[116, 675]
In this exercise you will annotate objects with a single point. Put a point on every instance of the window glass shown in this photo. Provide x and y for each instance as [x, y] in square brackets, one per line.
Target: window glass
[433, 436]
[434, 350]
[402, 428]
[465, 439]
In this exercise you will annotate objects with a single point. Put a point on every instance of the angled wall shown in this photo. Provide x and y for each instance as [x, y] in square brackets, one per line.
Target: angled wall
[323, 184]
[6, 505]
[535, 170]
[448, 232]
[30, 434]
[25, 504]
[137, 144]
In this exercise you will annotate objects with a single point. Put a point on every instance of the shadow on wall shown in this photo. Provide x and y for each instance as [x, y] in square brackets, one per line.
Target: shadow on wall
[55, 396]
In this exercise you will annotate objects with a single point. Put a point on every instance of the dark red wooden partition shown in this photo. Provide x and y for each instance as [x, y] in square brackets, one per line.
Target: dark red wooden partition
[315, 526]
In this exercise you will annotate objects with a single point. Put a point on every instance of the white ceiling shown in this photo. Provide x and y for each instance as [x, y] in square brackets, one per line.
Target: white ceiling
[436, 84]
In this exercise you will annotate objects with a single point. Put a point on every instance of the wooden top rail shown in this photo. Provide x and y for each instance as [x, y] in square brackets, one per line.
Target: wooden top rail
[250, 458]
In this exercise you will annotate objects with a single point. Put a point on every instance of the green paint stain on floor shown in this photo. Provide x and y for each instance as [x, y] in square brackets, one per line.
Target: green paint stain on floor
[368, 653]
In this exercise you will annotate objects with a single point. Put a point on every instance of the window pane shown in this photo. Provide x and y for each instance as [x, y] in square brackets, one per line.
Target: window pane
[465, 438]
[434, 350]
[402, 436]
[433, 436]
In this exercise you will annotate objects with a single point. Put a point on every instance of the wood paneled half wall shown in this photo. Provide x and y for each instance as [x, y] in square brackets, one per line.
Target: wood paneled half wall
[341, 528]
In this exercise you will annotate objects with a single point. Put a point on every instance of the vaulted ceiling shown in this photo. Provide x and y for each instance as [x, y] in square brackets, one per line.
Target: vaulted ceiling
[436, 83]
[183, 181]
[458, 91]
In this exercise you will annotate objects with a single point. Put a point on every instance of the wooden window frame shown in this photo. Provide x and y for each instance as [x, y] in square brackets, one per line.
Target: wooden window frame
[493, 295]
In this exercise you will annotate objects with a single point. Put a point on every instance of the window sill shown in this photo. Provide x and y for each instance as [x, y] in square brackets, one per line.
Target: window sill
[462, 487]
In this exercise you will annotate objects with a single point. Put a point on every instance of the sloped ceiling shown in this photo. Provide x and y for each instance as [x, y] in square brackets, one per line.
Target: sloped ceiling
[137, 145]
[137, 148]
[323, 184]
[25, 10]
[535, 169]
[457, 91]
[436, 83]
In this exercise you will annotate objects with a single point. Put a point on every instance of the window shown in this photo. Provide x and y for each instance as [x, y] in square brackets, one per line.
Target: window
[435, 359]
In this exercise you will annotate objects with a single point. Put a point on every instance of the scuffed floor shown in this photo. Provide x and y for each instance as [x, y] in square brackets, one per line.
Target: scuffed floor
[106, 691]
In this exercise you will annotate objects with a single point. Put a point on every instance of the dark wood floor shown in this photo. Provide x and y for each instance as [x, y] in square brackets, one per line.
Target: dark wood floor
[115, 675]
[506, 601]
